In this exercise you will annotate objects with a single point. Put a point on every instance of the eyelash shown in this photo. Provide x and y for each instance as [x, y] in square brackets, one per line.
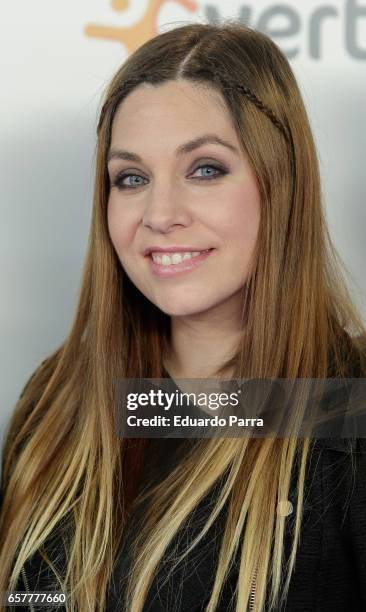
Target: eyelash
[117, 182]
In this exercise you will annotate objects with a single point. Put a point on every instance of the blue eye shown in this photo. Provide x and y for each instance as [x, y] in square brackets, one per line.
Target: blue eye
[220, 171]
[118, 181]
[120, 177]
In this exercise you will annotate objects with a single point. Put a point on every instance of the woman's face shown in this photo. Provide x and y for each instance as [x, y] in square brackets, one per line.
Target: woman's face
[170, 190]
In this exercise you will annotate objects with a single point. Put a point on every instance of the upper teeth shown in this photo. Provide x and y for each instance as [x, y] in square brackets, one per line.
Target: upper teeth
[173, 258]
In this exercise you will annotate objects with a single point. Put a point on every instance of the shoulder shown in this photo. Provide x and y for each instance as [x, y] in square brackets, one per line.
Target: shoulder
[353, 350]
[338, 465]
[42, 373]
[341, 445]
[32, 377]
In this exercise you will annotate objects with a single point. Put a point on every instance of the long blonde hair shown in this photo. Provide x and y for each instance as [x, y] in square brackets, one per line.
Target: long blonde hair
[64, 468]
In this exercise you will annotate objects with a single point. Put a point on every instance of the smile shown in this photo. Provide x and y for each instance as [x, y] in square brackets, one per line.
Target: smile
[164, 264]
[167, 259]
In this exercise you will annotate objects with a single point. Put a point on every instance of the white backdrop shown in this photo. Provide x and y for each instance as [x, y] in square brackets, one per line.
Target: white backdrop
[56, 60]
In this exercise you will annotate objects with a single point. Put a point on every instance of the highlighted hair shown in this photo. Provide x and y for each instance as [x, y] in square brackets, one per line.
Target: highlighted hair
[66, 473]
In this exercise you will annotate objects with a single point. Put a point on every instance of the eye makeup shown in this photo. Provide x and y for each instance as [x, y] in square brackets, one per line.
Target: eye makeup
[219, 169]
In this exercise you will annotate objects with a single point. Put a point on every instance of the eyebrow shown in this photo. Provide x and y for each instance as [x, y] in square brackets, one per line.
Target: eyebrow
[183, 149]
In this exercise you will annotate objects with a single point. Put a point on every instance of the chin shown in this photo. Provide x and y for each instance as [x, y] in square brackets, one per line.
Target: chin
[182, 310]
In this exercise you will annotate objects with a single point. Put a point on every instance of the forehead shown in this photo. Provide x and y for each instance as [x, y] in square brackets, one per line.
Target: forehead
[171, 111]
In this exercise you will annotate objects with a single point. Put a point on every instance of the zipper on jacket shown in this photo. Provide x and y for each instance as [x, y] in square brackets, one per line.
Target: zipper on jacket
[252, 592]
[27, 587]
[285, 509]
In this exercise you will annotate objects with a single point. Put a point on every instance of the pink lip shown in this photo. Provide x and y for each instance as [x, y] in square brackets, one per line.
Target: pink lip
[179, 268]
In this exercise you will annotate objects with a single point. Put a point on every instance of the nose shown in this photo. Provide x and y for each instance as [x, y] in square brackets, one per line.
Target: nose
[165, 209]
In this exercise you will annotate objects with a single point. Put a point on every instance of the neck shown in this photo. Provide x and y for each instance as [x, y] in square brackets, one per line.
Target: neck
[201, 343]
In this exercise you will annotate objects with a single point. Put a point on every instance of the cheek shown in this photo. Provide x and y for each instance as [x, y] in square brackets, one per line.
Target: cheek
[242, 215]
[118, 226]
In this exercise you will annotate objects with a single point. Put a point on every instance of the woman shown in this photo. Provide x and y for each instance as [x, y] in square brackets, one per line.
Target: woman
[203, 145]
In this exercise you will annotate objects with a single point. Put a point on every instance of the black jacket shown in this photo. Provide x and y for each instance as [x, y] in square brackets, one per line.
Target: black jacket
[330, 570]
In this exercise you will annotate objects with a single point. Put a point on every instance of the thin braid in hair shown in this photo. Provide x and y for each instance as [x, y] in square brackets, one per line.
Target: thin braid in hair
[227, 84]
[265, 109]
